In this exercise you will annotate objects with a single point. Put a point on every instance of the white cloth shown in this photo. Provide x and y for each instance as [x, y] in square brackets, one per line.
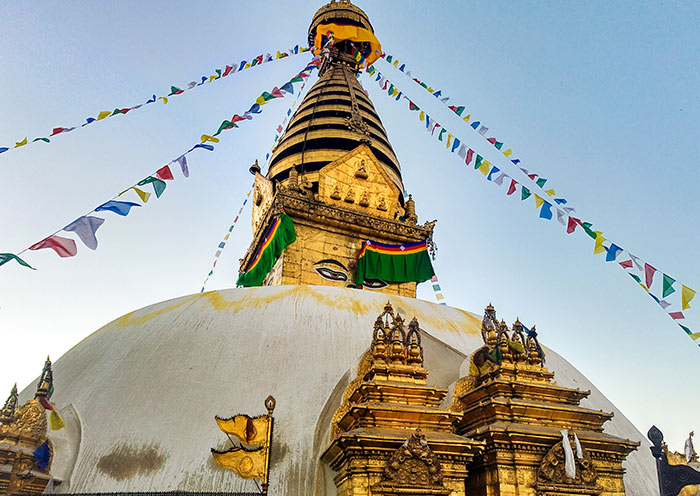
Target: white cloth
[579, 450]
[569, 463]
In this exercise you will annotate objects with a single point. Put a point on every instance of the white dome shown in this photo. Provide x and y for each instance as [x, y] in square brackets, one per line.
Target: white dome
[140, 394]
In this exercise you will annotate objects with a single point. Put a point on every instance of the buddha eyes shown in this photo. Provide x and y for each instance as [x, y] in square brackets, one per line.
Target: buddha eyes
[333, 275]
[374, 283]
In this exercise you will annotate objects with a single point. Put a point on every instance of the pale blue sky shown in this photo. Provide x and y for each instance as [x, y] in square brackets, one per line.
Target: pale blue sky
[602, 98]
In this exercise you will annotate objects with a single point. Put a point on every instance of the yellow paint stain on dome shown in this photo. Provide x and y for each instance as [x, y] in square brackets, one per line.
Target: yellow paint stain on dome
[137, 317]
[460, 322]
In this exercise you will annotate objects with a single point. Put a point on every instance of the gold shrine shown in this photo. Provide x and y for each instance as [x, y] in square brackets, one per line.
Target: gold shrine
[22, 431]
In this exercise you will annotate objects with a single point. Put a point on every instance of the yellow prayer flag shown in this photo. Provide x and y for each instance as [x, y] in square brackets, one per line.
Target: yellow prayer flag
[55, 421]
[449, 140]
[227, 236]
[247, 66]
[103, 114]
[247, 464]
[466, 117]
[599, 248]
[422, 116]
[695, 336]
[260, 100]
[687, 295]
[485, 167]
[21, 143]
[396, 62]
[438, 296]
[551, 192]
[165, 99]
[212, 78]
[250, 430]
[538, 201]
[508, 152]
[249, 192]
[430, 89]
[144, 195]
[206, 137]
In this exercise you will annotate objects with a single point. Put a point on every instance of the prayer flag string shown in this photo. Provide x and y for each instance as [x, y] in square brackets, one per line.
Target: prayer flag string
[85, 227]
[280, 131]
[672, 296]
[174, 90]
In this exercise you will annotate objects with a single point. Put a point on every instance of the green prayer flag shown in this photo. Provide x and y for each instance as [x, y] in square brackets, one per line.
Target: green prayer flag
[525, 193]
[158, 185]
[442, 131]
[225, 125]
[541, 182]
[498, 145]
[478, 161]
[278, 237]
[296, 79]
[436, 287]
[6, 257]
[394, 263]
[635, 277]
[688, 331]
[389, 58]
[496, 355]
[587, 227]
[668, 285]
[459, 110]
[46, 140]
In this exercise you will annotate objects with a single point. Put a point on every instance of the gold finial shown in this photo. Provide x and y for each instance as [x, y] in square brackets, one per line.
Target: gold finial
[293, 179]
[270, 403]
[8, 411]
[45, 386]
[255, 168]
[410, 207]
[414, 349]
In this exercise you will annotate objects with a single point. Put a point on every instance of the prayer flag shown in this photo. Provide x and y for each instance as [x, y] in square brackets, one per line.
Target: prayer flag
[540, 182]
[249, 430]
[158, 185]
[164, 173]
[86, 227]
[551, 192]
[677, 315]
[598, 247]
[546, 211]
[613, 252]
[511, 188]
[55, 421]
[668, 285]
[64, 247]
[394, 263]
[477, 162]
[493, 171]
[470, 154]
[42, 455]
[571, 227]
[182, 160]
[280, 234]
[538, 201]
[20, 143]
[561, 217]
[508, 152]
[6, 257]
[687, 296]
[525, 193]
[246, 463]
[455, 145]
[499, 179]
[627, 264]
[569, 462]
[485, 167]
[483, 130]
[462, 152]
[649, 274]
[118, 207]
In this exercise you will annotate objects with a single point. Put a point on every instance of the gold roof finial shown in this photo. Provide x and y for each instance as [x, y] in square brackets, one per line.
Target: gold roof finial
[8, 411]
[45, 387]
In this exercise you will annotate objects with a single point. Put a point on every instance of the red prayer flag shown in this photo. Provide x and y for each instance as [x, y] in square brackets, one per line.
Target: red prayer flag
[64, 247]
[492, 141]
[164, 173]
[276, 92]
[676, 315]
[57, 130]
[45, 403]
[470, 154]
[627, 264]
[532, 176]
[237, 118]
[511, 188]
[649, 274]
[571, 226]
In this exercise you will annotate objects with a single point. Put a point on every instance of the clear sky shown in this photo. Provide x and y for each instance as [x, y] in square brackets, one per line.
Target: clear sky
[601, 98]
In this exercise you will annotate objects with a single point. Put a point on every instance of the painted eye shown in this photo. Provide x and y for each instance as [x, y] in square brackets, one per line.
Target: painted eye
[374, 283]
[333, 275]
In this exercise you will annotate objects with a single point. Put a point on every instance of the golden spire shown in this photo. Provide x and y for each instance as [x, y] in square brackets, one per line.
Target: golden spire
[8, 411]
[45, 387]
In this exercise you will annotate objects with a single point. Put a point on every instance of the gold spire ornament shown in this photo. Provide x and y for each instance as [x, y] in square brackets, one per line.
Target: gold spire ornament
[248, 462]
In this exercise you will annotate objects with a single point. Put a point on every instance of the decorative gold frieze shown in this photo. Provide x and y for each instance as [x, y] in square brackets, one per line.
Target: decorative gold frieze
[553, 479]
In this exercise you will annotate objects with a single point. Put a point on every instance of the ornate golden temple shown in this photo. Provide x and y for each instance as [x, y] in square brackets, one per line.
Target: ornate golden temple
[505, 428]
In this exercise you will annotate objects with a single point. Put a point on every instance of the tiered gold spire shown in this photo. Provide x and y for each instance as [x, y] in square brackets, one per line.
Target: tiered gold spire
[22, 431]
[390, 435]
[335, 174]
[510, 401]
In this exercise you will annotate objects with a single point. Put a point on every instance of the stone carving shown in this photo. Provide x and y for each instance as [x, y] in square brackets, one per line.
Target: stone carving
[361, 172]
[364, 199]
[350, 195]
[381, 204]
[336, 193]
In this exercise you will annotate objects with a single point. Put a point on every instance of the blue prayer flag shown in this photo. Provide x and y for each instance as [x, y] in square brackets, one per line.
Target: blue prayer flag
[546, 211]
[475, 124]
[118, 207]
[613, 252]
[43, 455]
